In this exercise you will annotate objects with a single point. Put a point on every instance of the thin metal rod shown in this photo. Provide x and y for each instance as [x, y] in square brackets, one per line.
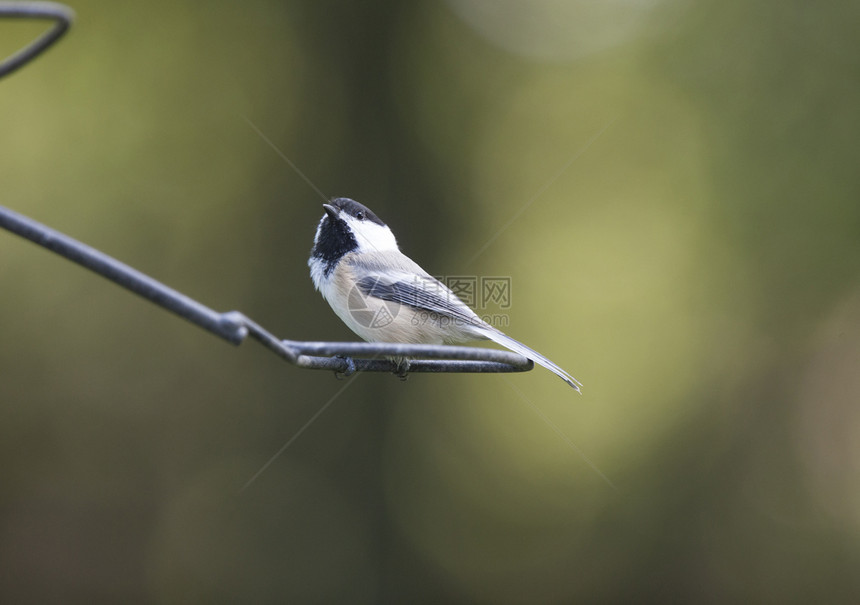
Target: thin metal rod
[223, 325]
[234, 327]
[62, 16]
[359, 349]
[346, 365]
[430, 358]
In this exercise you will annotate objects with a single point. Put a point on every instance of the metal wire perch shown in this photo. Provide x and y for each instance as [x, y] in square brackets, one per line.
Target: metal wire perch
[60, 14]
[233, 326]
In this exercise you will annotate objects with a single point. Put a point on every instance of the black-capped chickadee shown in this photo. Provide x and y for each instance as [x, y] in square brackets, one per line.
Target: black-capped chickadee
[384, 296]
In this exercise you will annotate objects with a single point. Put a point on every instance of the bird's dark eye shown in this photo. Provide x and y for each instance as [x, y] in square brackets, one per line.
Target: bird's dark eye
[359, 215]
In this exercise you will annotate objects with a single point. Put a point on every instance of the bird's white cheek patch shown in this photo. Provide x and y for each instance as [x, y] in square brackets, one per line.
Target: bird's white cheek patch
[372, 237]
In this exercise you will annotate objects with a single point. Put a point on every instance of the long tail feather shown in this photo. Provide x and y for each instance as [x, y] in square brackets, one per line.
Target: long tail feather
[518, 347]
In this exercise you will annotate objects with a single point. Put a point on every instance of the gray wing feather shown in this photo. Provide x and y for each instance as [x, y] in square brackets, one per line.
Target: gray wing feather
[397, 278]
[419, 293]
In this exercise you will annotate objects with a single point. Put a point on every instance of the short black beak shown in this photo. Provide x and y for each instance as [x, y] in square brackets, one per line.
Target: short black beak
[330, 210]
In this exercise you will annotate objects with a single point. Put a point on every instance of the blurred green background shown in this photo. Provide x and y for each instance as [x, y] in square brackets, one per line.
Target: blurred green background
[677, 188]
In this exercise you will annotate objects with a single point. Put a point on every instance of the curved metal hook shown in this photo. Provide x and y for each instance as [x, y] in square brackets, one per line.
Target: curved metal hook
[62, 16]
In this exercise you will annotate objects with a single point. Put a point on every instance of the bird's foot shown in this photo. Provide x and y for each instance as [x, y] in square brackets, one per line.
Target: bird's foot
[348, 371]
[401, 368]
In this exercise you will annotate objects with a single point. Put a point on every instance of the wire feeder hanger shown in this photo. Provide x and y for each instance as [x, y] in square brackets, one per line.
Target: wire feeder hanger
[344, 358]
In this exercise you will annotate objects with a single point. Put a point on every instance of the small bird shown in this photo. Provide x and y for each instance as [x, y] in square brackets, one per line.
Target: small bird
[384, 296]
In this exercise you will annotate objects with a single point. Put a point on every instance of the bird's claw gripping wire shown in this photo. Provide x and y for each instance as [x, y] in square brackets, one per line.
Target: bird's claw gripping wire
[349, 369]
[402, 369]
